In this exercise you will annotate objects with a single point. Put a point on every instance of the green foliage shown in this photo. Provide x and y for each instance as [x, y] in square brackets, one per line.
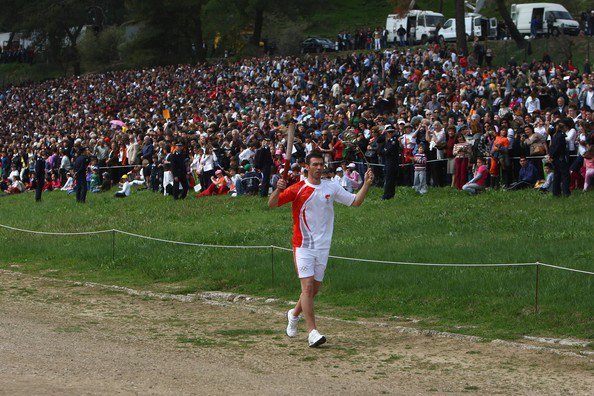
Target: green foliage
[446, 226]
[170, 32]
[99, 51]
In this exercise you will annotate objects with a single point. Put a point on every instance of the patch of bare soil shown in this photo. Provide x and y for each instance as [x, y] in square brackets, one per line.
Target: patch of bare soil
[59, 337]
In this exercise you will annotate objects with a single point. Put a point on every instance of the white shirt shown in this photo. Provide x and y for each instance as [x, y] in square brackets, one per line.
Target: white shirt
[570, 139]
[127, 186]
[313, 211]
[532, 104]
[207, 161]
[167, 180]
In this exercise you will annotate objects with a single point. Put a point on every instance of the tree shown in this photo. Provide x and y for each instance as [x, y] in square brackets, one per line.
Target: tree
[511, 26]
[461, 41]
[171, 30]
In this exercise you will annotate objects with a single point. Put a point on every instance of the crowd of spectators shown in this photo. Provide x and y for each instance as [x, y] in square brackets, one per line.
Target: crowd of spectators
[20, 55]
[177, 128]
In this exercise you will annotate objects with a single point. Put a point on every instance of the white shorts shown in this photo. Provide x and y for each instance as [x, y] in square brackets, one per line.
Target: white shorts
[310, 262]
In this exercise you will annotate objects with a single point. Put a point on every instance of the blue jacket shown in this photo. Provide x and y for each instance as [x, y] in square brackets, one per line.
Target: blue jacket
[528, 173]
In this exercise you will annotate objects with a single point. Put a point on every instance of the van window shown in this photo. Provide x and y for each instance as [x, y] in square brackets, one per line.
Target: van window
[448, 24]
[562, 15]
[433, 20]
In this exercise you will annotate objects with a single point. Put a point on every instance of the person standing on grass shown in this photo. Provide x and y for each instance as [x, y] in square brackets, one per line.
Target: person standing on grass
[80, 172]
[313, 222]
[39, 174]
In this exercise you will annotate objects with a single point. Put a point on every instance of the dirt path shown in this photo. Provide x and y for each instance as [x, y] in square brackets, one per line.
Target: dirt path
[63, 338]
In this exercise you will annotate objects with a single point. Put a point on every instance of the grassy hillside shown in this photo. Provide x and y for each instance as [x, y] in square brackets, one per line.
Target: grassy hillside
[446, 226]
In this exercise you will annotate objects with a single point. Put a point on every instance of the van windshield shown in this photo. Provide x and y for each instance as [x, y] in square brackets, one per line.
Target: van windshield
[562, 15]
[433, 20]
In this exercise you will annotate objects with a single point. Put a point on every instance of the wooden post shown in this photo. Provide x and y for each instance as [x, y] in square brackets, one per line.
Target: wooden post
[272, 263]
[536, 289]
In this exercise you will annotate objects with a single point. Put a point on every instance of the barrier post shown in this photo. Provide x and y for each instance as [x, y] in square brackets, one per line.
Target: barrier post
[113, 245]
[272, 263]
[536, 289]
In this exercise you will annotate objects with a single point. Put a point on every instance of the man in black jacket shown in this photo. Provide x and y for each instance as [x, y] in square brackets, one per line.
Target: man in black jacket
[178, 168]
[390, 153]
[263, 163]
[559, 155]
[80, 173]
[39, 174]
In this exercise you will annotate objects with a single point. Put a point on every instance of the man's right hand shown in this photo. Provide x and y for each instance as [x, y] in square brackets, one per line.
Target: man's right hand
[281, 184]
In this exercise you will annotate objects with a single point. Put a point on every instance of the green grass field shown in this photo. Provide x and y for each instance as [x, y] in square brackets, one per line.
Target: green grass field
[445, 226]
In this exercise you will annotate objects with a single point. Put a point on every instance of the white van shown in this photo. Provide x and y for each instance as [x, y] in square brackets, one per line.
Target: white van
[420, 26]
[554, 17]
[475, 25]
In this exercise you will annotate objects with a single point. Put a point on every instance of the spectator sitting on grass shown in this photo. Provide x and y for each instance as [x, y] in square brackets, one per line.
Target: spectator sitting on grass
[106, 184]
[17, 185]
[95, 181]
[528, 176]
[219, 185]
[126, 187]
[547, 185]
[69, 185]
[251, 180]
[478, 182]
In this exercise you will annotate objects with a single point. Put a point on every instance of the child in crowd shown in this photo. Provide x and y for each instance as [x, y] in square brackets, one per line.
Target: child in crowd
[69, 185]
[95, 180]
[219, 185]
[479, 181]
[547, 186]
[352, 174]
[167, 180]
[344, 181]
[420, 164]
[126, 187]
[53, 183]
[106, 183]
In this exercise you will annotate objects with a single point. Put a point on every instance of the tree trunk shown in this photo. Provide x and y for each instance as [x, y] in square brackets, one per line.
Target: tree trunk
[258, 24]
[441, 6]
[10, 38]
[461, 28]
[511, 26]
[200, 44]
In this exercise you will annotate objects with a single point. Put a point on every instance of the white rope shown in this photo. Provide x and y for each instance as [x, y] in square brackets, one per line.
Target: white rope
[566, 269]
[418, 264]
[56, 233]
[193, 244]
[290, 250]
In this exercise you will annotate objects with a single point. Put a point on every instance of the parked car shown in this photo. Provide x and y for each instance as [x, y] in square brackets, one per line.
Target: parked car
[317, 44]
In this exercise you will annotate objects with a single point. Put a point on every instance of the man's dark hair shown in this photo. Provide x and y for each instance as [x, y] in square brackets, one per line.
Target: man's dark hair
[313, 154]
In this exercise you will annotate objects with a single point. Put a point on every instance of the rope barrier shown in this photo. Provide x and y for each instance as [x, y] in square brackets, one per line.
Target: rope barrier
[567, 269]
[443, 159]
[470, 265]
[192, 244]
[56, 233]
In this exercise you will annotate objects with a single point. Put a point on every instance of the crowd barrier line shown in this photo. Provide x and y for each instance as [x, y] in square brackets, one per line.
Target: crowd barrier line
[272, 247]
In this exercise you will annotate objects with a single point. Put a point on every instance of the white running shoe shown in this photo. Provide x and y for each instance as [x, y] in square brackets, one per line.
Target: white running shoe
[292, 323]
[315, 339]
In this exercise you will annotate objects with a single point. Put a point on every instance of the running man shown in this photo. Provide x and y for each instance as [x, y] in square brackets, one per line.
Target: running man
[313, 223]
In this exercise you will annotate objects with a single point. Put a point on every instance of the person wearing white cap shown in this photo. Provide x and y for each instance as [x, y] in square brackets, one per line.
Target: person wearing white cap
[344, 181]
[353, 176]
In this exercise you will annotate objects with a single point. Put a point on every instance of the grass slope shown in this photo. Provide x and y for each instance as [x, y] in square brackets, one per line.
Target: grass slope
[445, 226]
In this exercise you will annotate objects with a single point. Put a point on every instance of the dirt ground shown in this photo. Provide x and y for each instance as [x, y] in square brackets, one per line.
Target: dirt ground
[60, 337]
